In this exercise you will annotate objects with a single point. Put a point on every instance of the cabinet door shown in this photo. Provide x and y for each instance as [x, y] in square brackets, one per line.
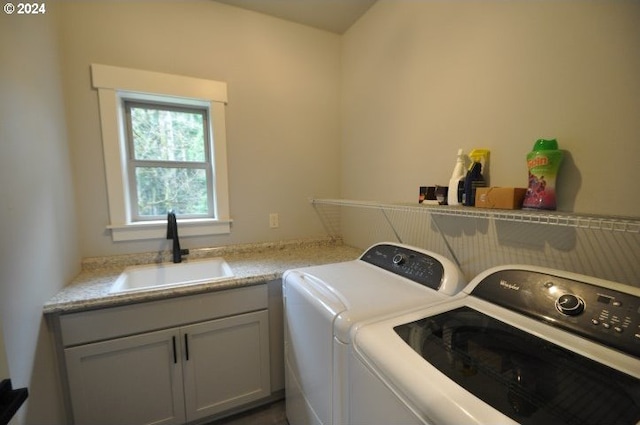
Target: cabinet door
[133, 380]
[226, 363]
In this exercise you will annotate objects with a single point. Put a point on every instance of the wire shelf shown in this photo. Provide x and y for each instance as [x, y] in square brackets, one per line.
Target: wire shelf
[592, 222]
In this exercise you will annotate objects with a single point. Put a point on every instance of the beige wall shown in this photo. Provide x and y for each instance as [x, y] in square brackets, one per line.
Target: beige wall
[38, 239]
[282, 117]
[424, 78]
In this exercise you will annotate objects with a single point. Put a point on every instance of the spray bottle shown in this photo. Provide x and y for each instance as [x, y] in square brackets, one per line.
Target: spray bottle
[474, 177]
[456, 182]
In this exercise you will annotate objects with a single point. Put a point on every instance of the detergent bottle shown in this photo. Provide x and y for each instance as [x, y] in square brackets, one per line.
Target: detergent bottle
[456, 182]
[543, 163]
[475, 177]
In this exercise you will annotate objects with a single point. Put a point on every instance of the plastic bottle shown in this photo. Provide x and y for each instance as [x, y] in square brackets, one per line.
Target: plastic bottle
[456, 182]
[474, 177]
[543, 163]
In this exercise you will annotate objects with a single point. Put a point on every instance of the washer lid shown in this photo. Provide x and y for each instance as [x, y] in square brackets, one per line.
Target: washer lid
[354, 291]
[527, 378]
[437, 398]
[389, 278]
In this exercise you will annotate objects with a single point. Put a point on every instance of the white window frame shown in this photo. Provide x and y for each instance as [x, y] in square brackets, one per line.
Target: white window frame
[115, 84]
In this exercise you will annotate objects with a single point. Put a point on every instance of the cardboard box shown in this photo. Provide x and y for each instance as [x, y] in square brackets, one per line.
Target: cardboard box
[506, 198]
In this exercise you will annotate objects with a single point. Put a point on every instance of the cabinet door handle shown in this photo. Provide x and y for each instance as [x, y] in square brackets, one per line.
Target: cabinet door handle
[186, 346]
[175, 354]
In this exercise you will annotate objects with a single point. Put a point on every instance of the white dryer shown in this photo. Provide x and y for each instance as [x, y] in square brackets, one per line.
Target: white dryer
[520, 345]
[324, 304]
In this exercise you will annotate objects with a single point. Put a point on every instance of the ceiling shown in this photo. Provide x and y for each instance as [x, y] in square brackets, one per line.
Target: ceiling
[330, 15]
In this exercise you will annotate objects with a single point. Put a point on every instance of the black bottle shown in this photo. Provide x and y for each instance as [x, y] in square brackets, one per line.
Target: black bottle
[473, 180]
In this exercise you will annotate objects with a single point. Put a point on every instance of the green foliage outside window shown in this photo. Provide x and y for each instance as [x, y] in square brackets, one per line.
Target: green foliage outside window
[169, 157]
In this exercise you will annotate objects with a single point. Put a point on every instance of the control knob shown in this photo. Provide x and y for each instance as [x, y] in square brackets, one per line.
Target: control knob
[570, 304]
[399, 259]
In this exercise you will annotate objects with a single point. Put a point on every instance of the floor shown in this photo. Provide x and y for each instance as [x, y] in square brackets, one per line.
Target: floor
[271, 414]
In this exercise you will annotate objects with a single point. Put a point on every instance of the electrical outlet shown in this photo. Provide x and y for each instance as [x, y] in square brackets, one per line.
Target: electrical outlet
[274, 220]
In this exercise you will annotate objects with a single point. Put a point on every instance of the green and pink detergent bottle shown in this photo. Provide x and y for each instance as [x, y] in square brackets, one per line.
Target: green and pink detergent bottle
[543, 163]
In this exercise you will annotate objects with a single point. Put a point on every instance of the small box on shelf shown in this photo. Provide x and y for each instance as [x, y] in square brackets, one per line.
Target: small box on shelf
[506, 198]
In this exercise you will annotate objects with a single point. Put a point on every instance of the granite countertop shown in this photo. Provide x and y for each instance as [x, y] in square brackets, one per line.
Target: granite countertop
[251, 264]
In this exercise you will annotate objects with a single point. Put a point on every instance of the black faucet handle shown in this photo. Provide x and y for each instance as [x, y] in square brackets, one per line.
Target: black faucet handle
[172, 233]
[172, 225]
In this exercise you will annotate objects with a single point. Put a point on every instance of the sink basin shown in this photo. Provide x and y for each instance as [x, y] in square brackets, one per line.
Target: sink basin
[167, 275]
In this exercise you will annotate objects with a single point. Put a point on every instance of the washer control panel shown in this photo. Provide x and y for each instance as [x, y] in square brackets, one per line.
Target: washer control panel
[414, 265]
[605, 315]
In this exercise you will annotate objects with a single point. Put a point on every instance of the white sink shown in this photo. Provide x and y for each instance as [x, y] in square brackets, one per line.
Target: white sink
[167, 275]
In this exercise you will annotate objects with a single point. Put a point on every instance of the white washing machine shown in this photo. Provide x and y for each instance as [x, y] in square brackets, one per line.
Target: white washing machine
[524, 345]
[323, 303]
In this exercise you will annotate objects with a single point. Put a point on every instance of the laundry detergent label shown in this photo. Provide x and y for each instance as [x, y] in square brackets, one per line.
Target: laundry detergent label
[543, 169]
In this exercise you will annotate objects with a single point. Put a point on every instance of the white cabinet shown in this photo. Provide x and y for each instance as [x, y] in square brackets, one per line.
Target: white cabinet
[131, 380]
[225, 363]
[173, 375]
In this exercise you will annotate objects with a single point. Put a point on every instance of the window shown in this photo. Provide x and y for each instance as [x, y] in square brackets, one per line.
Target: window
[169, 161]
[165, 149]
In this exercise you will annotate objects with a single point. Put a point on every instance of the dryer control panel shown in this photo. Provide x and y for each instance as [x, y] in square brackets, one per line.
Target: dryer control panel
[599, 313]
[417, 266]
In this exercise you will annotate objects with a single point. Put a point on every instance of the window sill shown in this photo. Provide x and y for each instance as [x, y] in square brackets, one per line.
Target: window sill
[158, 229]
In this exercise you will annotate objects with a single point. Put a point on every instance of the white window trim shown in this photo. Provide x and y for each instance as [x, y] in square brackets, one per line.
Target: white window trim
[113, 83]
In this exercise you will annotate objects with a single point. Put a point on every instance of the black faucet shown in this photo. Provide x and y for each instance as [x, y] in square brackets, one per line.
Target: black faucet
[172, 233]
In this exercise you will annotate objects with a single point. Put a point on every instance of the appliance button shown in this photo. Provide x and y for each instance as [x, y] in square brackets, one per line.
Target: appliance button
[617, 329]
[617, 303]
[606, 325]
[595, 321]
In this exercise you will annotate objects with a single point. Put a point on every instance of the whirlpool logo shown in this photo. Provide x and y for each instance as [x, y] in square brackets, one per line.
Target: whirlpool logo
[506, 285]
